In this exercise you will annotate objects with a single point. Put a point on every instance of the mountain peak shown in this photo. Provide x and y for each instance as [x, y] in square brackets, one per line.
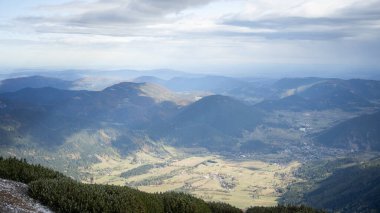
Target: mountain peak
[150, 90]
[124, 86]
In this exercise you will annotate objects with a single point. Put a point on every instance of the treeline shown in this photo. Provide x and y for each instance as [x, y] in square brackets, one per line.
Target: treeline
[63, 194]
[21, 171]
[71, 196]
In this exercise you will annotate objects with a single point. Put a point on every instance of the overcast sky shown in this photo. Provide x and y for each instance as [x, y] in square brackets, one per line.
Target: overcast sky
[189, 35]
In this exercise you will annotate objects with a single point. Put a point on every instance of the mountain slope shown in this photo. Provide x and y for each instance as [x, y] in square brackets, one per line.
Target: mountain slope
[323, 94]
[220, 112]
[334, 94]
[294, 83]
[341, 185]
[360, 133]
[213, 122]
[353, 189]
[149, 79]
[215, 84]
[14, 84]
[49, 115]
[152, 90]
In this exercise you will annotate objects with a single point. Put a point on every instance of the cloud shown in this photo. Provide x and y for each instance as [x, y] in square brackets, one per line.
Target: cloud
[113, 12]
[287, 35]
[269, 19]
[348, 22]
[186, 33]
[110, 17]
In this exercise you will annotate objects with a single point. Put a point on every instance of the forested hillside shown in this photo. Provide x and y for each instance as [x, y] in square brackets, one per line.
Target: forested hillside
[340, 186]
[360, 133]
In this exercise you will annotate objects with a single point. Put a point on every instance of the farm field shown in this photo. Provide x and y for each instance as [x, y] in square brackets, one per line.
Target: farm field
[205, 175]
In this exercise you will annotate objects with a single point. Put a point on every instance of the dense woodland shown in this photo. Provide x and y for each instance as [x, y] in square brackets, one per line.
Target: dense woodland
[21, 171]
[62, 194]
[139, 170]
[356, 183]
[359, 192]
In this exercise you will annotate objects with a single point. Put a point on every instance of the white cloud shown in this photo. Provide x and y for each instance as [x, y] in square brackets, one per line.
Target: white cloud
[193, 33]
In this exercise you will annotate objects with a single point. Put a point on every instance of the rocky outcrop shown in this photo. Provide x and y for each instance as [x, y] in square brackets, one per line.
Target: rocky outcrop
[14, 198]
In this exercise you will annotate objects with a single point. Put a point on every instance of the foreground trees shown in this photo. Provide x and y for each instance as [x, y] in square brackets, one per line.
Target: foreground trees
[63, 194]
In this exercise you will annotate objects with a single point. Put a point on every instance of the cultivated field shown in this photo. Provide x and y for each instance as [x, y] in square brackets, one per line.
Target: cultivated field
[205, 175]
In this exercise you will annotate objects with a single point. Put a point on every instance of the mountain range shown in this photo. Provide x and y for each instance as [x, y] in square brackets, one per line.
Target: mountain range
[73, 124]
[30, 106]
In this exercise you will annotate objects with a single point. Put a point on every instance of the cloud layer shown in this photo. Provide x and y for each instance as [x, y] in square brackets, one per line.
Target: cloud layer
[352, 21]
[181, 33]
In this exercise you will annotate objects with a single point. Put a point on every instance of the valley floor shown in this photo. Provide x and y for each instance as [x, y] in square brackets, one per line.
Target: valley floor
[242, 183]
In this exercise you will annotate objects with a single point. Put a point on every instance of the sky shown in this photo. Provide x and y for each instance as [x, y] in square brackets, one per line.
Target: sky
[191, 35]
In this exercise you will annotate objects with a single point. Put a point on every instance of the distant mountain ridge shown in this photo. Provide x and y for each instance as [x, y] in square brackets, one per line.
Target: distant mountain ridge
[289, 93]
[49, 115]
[122, 74]
[14, 84]
[321, 94]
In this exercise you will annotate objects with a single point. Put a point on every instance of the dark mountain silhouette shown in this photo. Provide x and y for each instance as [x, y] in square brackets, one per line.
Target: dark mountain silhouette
[360, 133]
[353, 189]
[49, 115]
[149, 79]
[213, 122]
